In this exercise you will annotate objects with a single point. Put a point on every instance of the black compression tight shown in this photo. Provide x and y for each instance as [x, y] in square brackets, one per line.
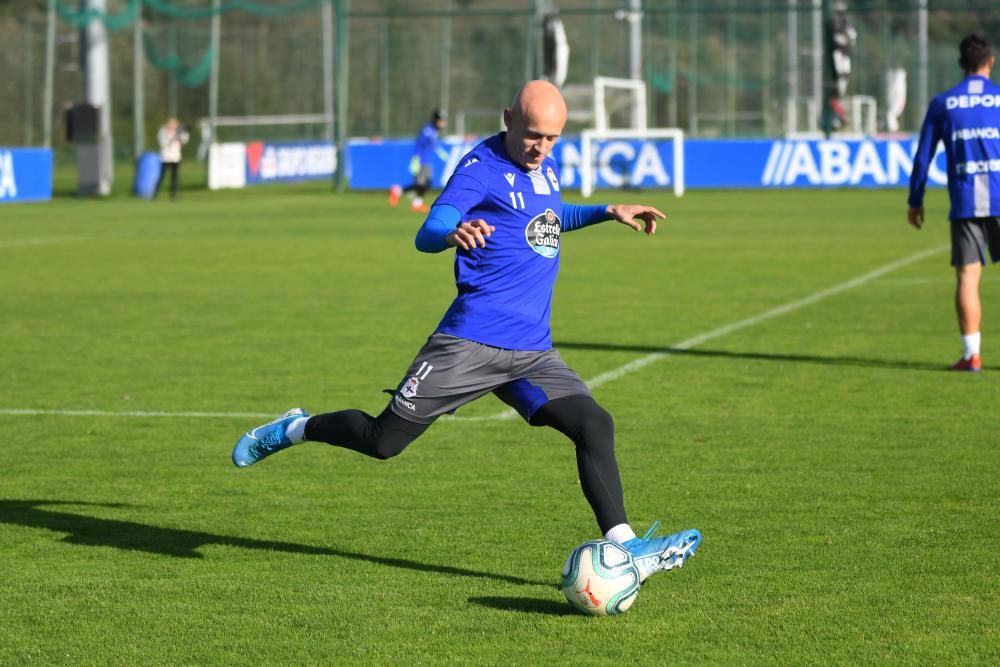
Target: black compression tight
[592, 430]
[380, 437]
[579, 418]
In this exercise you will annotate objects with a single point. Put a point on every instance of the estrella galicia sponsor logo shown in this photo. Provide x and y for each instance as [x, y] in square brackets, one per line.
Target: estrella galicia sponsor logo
[542, 233]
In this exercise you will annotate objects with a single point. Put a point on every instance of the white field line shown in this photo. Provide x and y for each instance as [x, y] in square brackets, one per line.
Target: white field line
[947, 280]
[689, 343]
[147, 234]
[17, 243]
[28, 412]
[594, 382]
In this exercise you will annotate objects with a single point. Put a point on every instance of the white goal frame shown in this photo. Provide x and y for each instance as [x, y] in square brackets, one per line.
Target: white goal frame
[590, 136]
[209, 135]
[637, 104]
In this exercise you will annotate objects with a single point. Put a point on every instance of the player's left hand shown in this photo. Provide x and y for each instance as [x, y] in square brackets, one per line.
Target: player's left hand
[915, 216]
[630, 214]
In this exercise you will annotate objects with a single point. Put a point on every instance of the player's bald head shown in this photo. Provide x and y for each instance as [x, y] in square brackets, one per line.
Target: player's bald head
[534, 120]
[539, 100]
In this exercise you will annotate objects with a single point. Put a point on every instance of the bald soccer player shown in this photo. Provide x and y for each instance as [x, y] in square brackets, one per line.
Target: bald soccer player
[503, 214]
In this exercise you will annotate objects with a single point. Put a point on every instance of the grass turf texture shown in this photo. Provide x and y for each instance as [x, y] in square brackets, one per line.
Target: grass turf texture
[846, 487]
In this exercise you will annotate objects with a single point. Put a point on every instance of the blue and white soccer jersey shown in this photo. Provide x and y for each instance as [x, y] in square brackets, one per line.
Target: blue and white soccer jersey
[967, 119]
[495, 337]
[505, 289]
[425, 144]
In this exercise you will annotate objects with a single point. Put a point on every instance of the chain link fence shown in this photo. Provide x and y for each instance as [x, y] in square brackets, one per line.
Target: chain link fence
[712, 67]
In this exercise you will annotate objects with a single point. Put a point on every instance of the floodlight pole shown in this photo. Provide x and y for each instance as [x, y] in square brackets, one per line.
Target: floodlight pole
[446, 57]
[634, 19]
[94, 168]
[792, 109]
[383, 78]
[50, 66]
[817, 61]
[327, 9]
[921, 56]
[29, 80]
[826, 111]
[172, 74]
[535, 56]
[342, 81]
[138, 98]
[213, 84]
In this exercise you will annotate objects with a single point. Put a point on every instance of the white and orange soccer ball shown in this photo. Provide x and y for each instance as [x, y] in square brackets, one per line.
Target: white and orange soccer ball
[600, 578]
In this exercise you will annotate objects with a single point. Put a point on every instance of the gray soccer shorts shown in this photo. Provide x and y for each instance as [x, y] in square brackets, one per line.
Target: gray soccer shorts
[972, 237]
[423, 177]
[449, 372]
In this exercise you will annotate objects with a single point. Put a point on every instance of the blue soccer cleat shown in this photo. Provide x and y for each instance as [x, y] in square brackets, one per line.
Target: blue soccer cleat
[265, 440]
[652, 554]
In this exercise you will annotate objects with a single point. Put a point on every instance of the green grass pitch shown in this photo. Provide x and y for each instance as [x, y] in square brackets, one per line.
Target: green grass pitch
[848, 490]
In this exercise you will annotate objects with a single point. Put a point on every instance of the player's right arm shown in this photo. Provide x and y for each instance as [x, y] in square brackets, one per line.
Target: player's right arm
[445, 227]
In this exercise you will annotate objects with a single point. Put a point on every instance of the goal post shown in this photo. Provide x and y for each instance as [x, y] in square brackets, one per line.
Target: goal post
[594, 162]
[210, 127]
[628, 94]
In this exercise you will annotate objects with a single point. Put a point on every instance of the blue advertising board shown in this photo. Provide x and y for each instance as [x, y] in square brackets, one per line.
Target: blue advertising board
[25, 174]
[271, 162]
[708, 163]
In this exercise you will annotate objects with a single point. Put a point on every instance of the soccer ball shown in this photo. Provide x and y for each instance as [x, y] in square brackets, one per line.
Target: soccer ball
[600, 578]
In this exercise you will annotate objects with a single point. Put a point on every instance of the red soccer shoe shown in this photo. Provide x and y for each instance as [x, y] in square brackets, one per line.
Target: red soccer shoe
[974, 364]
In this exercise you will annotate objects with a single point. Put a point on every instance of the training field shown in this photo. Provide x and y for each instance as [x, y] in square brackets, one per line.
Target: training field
[773, 361]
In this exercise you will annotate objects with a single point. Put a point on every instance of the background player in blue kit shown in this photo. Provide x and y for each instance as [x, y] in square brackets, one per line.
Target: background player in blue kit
[503, 212]
[967, 119]
[420, 164]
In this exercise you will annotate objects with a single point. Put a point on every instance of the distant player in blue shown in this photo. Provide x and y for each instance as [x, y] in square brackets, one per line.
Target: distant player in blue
[967, 119]
[420, 164]
[503, 212]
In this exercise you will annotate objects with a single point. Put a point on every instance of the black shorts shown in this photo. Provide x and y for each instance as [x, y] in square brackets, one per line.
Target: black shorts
[972, 237]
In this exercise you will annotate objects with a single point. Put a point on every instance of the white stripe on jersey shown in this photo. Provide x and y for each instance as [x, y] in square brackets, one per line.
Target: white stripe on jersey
[539, 183]
[981, 195]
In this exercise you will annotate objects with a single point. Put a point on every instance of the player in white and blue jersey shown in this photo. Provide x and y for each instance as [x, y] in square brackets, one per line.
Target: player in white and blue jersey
[966, 119]
[421, 166]
[502, 211]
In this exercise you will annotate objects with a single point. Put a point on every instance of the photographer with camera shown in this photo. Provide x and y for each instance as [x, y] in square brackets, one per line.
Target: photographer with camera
[172, 136]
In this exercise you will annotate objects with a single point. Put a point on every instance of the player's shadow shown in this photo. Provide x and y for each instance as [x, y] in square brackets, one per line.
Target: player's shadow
[755, 356]
[526, 605]
[132, 536]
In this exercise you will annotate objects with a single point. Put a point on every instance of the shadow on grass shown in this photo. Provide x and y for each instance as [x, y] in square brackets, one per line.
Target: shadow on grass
[756, 356]
[526, 605]
[132, 536]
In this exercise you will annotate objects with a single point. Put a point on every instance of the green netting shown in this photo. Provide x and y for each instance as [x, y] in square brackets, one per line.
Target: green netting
[713, 67]
[126, 16]
[191, 76]
[79, 19]
[666, 82]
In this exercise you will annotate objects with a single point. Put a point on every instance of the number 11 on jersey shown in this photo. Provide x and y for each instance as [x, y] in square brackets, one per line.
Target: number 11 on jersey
[517, 200]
